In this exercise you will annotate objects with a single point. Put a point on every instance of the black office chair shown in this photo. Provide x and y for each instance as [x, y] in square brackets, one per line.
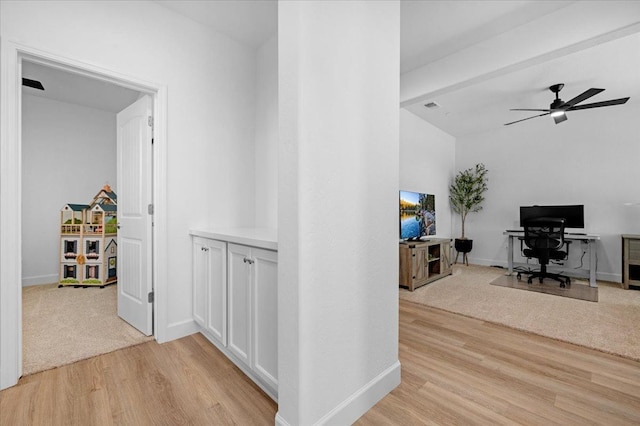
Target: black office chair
[544, 238]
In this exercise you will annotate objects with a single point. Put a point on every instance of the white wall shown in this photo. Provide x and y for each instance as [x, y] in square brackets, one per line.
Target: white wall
[338, 210]
[210, 85]
[427, 161]
[68, 154]
[590, 159]
[266, 137]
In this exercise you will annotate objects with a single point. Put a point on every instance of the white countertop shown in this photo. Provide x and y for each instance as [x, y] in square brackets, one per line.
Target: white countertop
[256, 237]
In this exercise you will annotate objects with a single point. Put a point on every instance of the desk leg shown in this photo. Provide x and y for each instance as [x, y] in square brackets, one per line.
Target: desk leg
[510, 255]
[592, 263]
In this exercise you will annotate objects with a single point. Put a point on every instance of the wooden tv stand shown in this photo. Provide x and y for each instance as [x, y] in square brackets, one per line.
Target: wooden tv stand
[422, 262]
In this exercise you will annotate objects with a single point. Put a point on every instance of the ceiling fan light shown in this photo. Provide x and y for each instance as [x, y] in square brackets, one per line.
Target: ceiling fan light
[557, 113]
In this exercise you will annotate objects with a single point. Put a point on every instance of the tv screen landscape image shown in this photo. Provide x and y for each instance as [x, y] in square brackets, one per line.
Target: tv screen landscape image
[417, 215]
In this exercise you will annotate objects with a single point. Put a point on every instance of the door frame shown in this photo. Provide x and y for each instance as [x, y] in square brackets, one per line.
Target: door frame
[11, 56]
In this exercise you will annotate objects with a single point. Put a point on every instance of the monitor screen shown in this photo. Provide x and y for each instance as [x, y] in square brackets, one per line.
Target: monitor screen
[417, 215]
[572, 215]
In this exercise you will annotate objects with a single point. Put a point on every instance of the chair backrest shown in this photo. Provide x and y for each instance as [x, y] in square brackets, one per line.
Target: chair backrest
[544, 233]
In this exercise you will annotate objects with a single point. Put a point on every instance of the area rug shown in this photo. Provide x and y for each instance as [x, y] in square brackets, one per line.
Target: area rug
[611, 325]
[576, 289]
[64, 325]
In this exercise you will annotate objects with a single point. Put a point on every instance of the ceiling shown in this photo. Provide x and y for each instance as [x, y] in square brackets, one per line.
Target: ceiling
[613, 66]
[250, 22]
[431, 31]
[76, 89]
[436, 29]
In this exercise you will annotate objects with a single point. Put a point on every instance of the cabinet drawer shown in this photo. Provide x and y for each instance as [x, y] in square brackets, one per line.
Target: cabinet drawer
[634, 250]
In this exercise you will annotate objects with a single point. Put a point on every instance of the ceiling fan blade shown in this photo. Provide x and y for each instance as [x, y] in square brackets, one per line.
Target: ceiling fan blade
[529, 118]
[581, 97]
[599, 104]
[560, 118]
[35, 84]
[528, 109]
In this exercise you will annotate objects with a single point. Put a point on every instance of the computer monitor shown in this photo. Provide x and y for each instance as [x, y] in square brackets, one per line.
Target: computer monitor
[573, 215]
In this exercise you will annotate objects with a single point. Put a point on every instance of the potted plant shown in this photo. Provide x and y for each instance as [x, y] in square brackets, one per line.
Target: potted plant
[466, 196]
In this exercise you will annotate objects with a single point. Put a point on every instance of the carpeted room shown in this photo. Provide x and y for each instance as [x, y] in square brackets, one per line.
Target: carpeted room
[609, 325]
[68, 155]
[65, 325]
[585, 160]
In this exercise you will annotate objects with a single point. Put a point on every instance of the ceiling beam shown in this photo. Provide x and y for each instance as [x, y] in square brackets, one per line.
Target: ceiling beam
[579, 26]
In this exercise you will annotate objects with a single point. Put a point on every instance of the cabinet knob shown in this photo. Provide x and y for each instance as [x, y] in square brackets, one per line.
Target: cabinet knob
[247, 260]
[204, 248]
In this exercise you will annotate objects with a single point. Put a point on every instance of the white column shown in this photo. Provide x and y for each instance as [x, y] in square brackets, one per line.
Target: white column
[338, 208]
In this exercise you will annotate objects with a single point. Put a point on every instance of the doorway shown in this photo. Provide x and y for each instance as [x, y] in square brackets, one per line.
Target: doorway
[11, 187]
[69, 159]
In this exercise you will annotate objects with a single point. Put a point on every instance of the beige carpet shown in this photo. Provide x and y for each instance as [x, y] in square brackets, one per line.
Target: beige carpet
[611, 325]
[64, 325]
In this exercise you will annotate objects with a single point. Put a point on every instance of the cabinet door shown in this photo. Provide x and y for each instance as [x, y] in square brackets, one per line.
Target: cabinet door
[445, 256]
[200, 277]
[239, 301]
[216, 322]
[420, 264]
[265, 315]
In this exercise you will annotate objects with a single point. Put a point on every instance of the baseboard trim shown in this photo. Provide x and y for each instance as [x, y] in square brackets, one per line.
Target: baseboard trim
[352, 408]
[178, 330]
[40, 280]
[607, 276]
[280, 421]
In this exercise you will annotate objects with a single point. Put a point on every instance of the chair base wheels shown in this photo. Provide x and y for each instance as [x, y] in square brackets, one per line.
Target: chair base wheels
[560, 278]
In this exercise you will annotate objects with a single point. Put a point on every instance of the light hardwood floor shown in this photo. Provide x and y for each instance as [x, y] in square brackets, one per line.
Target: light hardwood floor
[462, 371]
[183, 382]
[455, 370]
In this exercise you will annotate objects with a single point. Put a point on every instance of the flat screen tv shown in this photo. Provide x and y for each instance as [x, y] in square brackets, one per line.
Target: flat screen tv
[573, 215]
[417, 215]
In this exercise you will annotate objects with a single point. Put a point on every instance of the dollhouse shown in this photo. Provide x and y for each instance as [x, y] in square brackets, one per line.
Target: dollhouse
[88, 241]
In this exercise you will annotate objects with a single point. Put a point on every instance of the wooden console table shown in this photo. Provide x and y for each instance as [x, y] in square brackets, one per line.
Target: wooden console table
[422, 262]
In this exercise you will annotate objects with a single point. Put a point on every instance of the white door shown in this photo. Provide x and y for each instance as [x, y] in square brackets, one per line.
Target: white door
[200, 280]
[239, 302]
[134, 135]
[210, 287]
[217, 291]
[265, 315]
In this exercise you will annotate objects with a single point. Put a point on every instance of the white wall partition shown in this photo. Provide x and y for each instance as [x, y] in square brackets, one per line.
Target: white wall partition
[338, 209]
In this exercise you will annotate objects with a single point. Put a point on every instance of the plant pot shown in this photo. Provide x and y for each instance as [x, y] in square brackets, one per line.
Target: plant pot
[464, 246]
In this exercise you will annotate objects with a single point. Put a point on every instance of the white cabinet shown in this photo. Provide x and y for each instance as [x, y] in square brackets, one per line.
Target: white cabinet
[210, 287]
[253, 309]
[239, 301]
[235, 300]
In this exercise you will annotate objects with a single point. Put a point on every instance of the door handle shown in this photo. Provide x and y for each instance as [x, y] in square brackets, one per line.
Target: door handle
[118, 225]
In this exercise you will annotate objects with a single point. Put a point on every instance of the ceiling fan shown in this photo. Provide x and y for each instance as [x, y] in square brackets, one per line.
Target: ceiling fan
[558, 108]
[35, 84]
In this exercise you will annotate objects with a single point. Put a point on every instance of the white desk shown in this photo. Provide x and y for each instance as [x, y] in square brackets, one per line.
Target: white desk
[589, 239]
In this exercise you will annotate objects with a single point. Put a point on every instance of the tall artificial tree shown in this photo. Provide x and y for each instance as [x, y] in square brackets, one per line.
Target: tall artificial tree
[466, 191]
